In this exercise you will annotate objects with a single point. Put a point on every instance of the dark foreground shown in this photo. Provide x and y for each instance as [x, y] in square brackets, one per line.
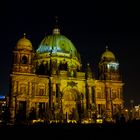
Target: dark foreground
[73, 131]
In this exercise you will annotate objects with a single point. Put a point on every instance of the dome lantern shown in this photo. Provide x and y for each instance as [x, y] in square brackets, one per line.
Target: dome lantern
[57, 44]
[56, 29]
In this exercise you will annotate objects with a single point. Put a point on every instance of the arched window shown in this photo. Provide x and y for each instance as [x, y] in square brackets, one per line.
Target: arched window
[98, 94]
[23, 89]
[15, 58]
[24, 60]
[113, 94]
[41, 69]
[41, 92]
[63, 66]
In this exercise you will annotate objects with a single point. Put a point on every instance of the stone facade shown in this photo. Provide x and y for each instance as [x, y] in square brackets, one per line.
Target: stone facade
[49, 84]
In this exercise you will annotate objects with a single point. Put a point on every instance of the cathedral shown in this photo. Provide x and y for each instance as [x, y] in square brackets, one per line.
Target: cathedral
[49, 83]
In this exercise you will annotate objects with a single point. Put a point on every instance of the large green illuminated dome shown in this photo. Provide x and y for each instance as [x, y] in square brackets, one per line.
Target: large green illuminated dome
[58, 48]
[56, 44]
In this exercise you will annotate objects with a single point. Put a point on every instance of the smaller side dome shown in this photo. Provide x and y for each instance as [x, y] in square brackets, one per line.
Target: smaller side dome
[24, 44]
[108, 54]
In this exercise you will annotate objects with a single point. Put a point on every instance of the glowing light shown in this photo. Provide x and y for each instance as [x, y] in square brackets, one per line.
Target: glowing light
[99, 120]
[113, 65]
[2, 97]
[126, 110]
[72, 121]
[38, 120]
[56, 43]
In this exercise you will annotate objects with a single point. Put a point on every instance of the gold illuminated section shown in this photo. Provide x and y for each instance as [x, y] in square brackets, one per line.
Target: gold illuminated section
[24, 43]
[108, 54]
[49, 86]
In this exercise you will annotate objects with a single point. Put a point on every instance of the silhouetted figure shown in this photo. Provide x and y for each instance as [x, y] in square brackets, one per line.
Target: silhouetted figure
[32, 114]
[116, 117]
[63, 66]
[122, 119]
[5, 116]
[41, 69]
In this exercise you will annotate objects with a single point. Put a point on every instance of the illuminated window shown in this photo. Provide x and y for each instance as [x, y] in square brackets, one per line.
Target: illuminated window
[117, 95]
[33, 88]
[22, 89]
[63, 66]
[113, 94]
[98, 95]
[41, 92]
[72, 73]
[112, 66]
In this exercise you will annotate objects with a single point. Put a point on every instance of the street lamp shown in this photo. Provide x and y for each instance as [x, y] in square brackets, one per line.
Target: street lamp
[15, 109]
[61, 110]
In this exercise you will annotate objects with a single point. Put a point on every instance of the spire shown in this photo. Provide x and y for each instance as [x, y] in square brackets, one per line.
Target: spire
[89, 71]
[106, 47]
[45, 34]
[56, 21]
[24, 35]
[56, 29]
[88, 67]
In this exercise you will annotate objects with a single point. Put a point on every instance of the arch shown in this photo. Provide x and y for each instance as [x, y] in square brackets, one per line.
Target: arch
[63, 66]
[71, 103]
[24, 60]
[41, 69]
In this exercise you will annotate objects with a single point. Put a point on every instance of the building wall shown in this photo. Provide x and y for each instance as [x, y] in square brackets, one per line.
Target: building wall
[53, 86]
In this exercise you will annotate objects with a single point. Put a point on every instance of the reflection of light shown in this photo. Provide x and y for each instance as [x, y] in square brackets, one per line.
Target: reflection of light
[113, 65]
[2, 97]
[54, 121]
[43, 49]
[99, 120]
[38, 120]
[85, 121]
[72, 121]
[126, 110]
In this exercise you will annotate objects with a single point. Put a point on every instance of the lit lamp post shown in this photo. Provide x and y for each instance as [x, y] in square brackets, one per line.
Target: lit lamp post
[16, 106]
[90, 112]
[61, 110]
[112, 109]
[132, 109]
[15, 109]
[126, 114]
[82, 105]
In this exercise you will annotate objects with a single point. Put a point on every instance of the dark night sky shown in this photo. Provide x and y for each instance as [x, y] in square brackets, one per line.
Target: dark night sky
[90, 26]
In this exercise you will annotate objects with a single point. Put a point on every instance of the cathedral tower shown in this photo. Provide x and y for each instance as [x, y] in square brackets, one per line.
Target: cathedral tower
[108, 66]
[111, 85]
[23, 56]
[21, 75]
